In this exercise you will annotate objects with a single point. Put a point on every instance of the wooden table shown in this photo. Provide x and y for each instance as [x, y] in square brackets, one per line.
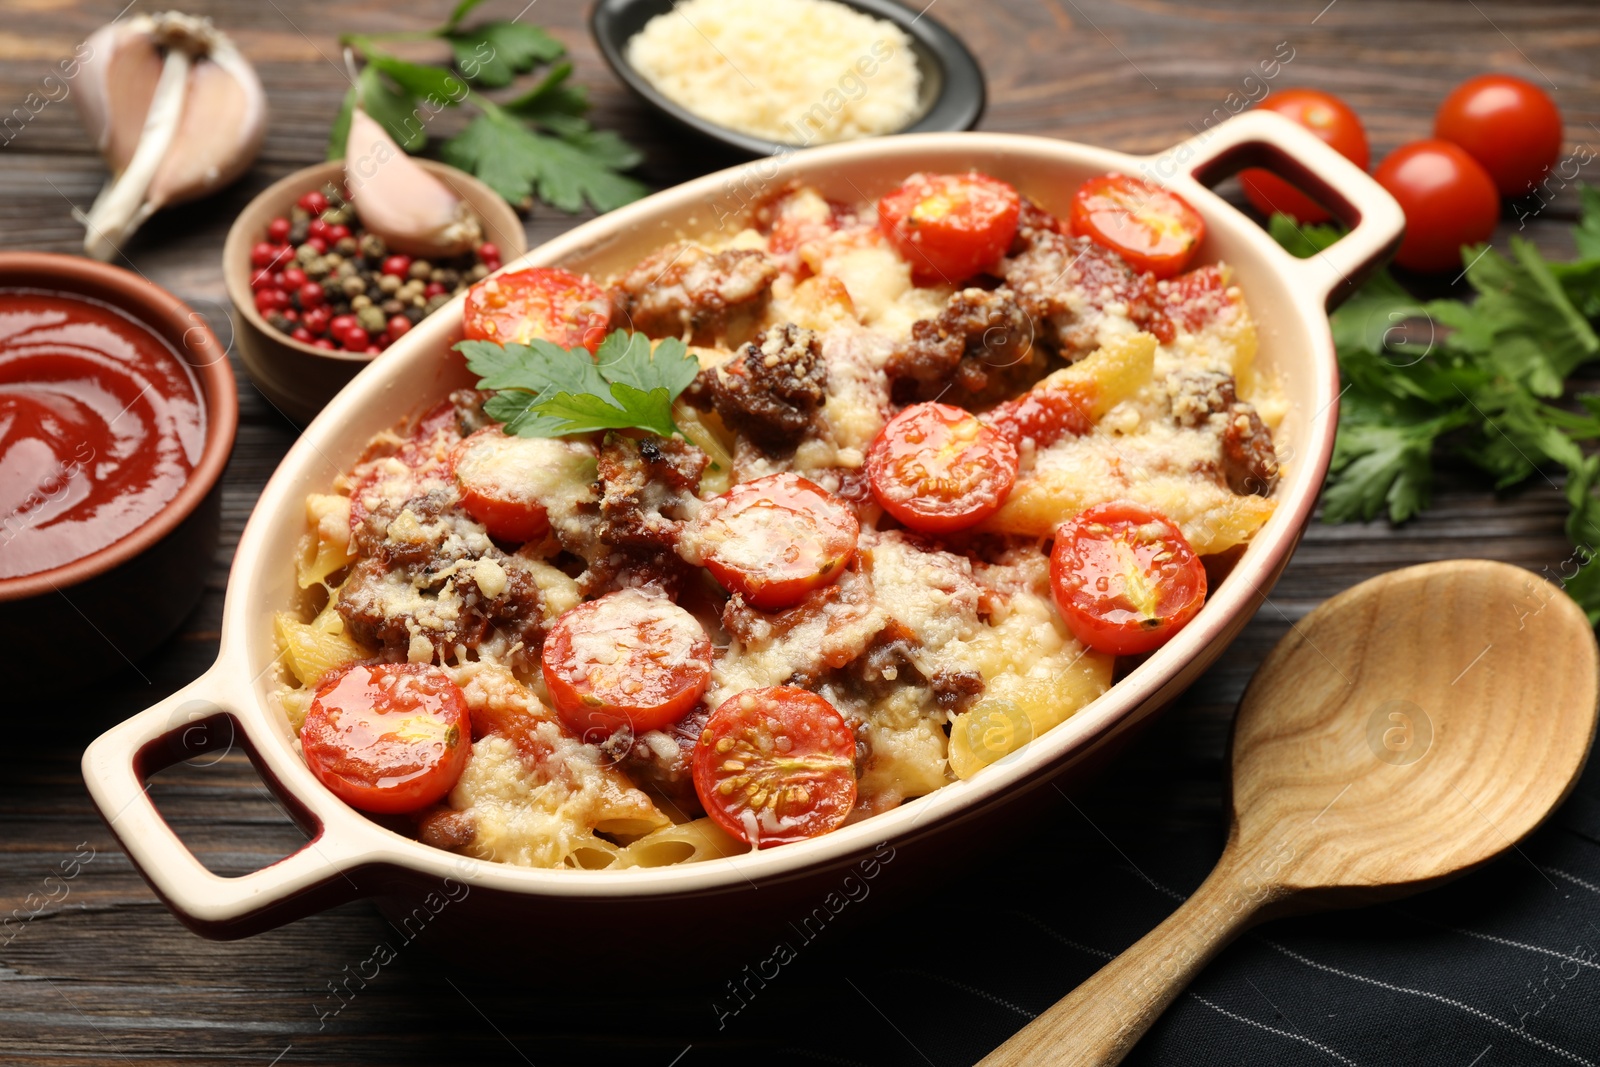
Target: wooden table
[107, 975]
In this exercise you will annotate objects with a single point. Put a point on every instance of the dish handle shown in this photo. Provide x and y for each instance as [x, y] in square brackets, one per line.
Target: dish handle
[1270, 141]
[194, 722]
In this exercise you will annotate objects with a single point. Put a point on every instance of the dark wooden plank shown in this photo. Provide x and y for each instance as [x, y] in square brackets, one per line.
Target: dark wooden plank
[105, 975]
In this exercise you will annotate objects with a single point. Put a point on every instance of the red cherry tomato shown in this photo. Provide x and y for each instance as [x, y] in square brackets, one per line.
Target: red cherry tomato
[1152, 228]
[775, 766]
[937, 468]
[1449, 201]
[774, 539]
[1125, 578]
[1331, 120]
[1044, 413]
[626, 659]
[504, 480]
[1510, 126]
[390, 738]
[950, 226]
[541, 302]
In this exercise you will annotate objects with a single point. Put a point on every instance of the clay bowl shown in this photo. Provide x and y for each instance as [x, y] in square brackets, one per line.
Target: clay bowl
[297, 378]
[488, 911]
[133, 593]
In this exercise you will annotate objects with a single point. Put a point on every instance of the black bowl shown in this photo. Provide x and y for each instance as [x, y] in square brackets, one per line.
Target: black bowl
[952, 94]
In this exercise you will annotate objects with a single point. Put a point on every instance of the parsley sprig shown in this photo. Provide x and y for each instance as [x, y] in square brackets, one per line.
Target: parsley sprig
[545, 390]
[535, 143]
[1483, 381]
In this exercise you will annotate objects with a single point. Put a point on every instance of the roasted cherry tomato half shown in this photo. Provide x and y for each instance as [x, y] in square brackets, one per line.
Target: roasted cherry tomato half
[626, 659]
[1045, 413]
[540, 302]
[1125, 578]
[1152, 228]
[388, 738]
[937, 468]
[1448, 198]
[1331, 120]
[506, 481]
[1508, 125]
[950, 226]
[774, 766]
[774, 539]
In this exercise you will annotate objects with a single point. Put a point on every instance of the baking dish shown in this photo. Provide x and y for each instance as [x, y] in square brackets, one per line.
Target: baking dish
[351, 856]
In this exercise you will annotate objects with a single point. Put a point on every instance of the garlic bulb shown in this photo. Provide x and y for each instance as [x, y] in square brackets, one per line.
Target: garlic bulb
[176, 112]
[396, 199]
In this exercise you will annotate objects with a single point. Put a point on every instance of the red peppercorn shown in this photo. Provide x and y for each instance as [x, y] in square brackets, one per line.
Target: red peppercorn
[340, 323]
[265, 255]
[338, 233]
[278, 230]
[314, 202]
[303, 335]
[262, 279]
[271, 300]
[317, 228]
[291, 314]
[487, 250]
[399, 266]
[319, 244]
[293, 278]
[317, 318]
[354, 338]
[323, 343]
[372, 350]
[434, 289]
[310, 295]
[277, 280]
[398, 327]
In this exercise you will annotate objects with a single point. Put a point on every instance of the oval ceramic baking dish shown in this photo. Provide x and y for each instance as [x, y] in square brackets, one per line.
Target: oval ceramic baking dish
[352, 856]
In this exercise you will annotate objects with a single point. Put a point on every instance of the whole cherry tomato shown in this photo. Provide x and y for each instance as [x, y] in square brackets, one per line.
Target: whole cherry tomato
[1510, 126]
[1151, 227]
[1331, 120]
[1449, 201]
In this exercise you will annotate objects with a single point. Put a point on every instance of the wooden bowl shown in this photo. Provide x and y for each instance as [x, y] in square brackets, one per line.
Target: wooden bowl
[131, 594]
[297, 378]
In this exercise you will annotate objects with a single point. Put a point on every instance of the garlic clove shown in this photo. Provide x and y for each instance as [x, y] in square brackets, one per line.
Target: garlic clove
[132, 63]
[413, 211]
[176, 111]
[219, 134]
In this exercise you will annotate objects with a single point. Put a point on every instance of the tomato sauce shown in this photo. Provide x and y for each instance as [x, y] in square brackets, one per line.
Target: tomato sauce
[100, 426]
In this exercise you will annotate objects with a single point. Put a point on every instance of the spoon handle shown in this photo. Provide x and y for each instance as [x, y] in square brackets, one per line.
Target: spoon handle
[1099, 1022]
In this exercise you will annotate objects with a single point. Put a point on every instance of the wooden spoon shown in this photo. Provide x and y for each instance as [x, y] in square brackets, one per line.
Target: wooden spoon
[1406, 731]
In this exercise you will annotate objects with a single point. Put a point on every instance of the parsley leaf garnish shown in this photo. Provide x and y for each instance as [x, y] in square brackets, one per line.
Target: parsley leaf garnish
[545, 390]
[537, 143]
[1481, 381]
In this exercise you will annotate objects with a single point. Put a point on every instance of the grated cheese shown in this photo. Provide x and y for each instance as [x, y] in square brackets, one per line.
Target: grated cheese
[794, 71]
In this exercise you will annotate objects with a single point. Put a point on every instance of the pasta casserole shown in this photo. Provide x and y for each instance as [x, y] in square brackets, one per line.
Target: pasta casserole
[773, 532]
